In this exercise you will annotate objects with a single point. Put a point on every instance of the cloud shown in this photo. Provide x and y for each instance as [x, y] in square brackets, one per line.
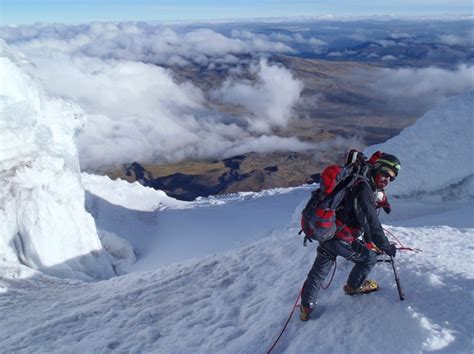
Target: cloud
[388, 58]
[130, 78]
[359, 36]
[138, 112]
[335, 54]
[269, 100]
[204, 43]
[418, 89]
[310, 102]
[140, 42]
[266, 143]
[450, 39]
[400, 35]
[289, 40]
[386, 43]
[317, 42]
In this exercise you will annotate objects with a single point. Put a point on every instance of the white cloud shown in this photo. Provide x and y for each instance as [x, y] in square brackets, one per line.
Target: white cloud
[266, 143]
[296, 38]
[388, 58]
[451, 39]
[421, 88]
[270, 100]
[138, 112]
[359, 37]
[310, 102]
[400, 35]
[386, 43]
[141, 42]
[317, 42]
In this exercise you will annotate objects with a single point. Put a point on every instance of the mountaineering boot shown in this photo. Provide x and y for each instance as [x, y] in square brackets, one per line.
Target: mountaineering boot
[305, 311]
[367, 286]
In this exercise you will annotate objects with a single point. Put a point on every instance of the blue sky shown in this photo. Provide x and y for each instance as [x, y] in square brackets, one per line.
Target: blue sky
[79, 11]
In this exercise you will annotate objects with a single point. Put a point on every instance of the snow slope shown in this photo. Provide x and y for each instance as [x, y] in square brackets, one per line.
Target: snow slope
[130, 195]
[43, 223]
[437, 151]
[237, 302]
[164, 232]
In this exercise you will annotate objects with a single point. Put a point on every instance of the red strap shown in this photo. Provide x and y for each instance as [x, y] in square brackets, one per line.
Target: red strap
[325, 214]
[345, 233]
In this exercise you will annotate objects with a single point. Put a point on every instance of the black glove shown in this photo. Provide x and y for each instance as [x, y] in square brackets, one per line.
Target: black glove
[390, 250]
[387, 208]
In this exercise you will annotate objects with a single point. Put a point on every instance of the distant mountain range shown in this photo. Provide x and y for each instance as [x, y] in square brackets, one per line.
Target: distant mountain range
[397, 53]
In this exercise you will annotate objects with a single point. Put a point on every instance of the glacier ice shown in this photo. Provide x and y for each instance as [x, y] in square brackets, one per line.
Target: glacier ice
[43, 222]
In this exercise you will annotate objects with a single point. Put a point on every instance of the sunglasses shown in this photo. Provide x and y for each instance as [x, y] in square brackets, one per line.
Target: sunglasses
[387, 173]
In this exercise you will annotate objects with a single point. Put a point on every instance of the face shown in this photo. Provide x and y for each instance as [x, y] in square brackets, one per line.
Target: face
[382, 178]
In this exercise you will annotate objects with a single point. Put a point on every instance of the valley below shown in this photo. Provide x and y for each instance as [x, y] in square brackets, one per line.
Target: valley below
[339, 109]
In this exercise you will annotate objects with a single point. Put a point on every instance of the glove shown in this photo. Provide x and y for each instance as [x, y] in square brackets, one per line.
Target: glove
[371, 246]
[390, 250]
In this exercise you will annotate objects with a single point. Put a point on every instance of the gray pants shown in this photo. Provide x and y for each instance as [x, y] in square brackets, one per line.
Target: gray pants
[364, 261]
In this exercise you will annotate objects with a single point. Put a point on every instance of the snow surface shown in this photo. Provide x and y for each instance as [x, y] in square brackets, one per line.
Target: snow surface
[190, 230]
[237, 302]
[43, 222]
[130, 195]
[437, 151]
[236, 299]
[220, 274]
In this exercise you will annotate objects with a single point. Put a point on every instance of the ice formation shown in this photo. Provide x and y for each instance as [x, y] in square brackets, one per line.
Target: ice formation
[43, 222]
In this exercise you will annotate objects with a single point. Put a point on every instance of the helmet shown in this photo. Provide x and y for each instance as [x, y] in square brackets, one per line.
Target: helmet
[387, 161]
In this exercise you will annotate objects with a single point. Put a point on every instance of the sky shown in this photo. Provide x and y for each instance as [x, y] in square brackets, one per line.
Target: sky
[80, 11]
